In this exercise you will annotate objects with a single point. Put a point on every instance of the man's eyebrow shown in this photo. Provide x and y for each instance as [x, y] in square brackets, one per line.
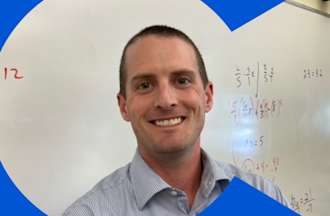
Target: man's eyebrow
[148, 76]
[142, 77]
[186, 72]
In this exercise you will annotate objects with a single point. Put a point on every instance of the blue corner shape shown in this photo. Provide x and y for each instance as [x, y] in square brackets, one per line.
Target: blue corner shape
[12, 201]
[239, 12]
[240, 198]
[12, 12]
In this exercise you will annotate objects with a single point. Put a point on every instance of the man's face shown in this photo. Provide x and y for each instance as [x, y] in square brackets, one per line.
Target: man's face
[165, 99]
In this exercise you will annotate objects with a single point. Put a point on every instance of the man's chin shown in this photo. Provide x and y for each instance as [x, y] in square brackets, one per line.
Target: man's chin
[172, 148]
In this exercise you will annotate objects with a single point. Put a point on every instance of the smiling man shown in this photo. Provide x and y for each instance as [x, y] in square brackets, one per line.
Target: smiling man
[164, 94]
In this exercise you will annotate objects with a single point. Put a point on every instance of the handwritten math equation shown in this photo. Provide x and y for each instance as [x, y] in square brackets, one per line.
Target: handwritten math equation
[12, 73]
[302, 203]
[313, 73]
[251, 76]
[268, 168]
[241, 155]
[249, 144]
[254, 108]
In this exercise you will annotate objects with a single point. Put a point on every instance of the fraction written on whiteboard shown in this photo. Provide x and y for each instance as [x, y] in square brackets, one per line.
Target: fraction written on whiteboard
[249, 107]
[268, 168]
[302, 203]
[251, 76]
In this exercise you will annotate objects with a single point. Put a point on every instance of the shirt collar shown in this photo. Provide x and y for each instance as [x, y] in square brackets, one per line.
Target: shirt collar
[146, 183]
[213, 173]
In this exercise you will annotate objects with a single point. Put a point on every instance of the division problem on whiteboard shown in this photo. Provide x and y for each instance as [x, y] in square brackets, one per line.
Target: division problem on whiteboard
[12, 73]
[251, 76]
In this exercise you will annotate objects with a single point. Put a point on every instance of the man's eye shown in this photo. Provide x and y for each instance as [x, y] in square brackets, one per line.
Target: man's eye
[144, 86]
[183, 81]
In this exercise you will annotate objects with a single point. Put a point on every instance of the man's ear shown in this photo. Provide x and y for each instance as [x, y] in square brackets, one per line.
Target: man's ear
[209, 96]
[122, 106]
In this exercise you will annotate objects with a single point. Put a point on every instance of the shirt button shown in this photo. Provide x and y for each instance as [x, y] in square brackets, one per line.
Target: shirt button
[174, 193]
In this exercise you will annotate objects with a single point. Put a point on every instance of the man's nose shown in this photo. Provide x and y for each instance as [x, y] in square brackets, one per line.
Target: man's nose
[166, 97]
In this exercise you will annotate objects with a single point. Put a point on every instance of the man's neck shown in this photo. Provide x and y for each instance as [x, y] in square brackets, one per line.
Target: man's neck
[181, 171]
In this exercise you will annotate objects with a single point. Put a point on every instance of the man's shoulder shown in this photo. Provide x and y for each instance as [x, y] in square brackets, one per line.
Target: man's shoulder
[98, 199]
[258, 182]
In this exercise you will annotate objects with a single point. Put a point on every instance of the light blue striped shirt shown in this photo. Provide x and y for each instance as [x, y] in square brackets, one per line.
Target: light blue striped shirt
[136, 190]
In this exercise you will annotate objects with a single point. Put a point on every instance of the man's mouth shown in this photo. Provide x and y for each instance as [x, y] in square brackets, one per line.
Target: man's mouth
[168, 122]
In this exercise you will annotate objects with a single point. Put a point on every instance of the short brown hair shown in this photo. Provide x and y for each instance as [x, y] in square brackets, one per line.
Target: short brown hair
[162, 31]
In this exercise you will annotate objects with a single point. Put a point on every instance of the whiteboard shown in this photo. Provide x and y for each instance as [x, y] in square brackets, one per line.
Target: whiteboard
[61, 130]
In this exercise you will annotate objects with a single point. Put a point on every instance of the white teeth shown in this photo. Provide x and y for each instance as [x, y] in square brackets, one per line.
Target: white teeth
[169, 122]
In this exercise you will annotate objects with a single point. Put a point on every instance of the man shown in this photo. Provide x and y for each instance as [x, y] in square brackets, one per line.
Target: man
[164, 94]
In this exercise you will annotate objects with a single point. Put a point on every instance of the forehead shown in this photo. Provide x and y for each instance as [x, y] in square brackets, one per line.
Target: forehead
[157, 55]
